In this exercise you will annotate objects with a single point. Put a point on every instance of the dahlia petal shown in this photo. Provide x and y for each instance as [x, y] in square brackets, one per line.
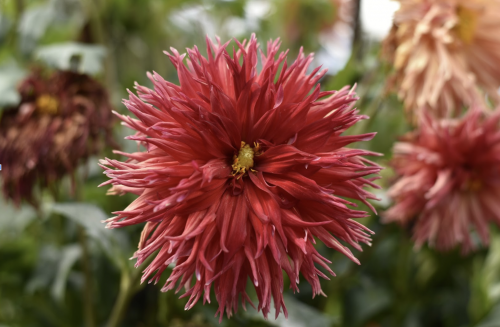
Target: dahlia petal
[255, 199]
[282, 158]
[298, 186]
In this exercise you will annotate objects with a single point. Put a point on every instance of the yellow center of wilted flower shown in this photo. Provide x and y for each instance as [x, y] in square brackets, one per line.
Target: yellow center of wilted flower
[47, 104]
[467, 23]
[243, 162]
[473, 185]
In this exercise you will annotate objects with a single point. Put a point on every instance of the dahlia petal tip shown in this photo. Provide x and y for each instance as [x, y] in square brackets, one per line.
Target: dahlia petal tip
[108, 220]
[353, 89]
[106, 182]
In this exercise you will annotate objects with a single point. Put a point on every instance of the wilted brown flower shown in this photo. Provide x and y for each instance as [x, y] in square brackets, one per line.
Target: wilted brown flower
[442, 51]
[61, 120]
[449, 180]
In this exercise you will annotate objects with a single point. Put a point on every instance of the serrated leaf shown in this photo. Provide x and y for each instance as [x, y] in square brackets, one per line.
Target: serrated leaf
[80, 57]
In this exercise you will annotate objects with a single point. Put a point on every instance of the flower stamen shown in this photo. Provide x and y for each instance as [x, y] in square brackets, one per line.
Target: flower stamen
[467, 22]
[474, 185]
[47, 104]
[243, 162]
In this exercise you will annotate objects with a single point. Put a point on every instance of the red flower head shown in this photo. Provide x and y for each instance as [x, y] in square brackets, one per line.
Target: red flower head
[449, 180]
[243, 170]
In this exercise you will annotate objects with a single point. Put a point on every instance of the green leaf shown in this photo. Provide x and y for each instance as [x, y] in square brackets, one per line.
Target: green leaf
[33, 24]
[485, 283]
[45, 270]
[14, 220]
[5, 24]
[369, 301]
[492, 319]
[80, 57]
[68, 257]
[53, 268]
[113, 242]
[299, 315]
[10, 75]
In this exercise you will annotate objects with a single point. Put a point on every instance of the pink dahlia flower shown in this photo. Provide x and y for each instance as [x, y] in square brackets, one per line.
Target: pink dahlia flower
[449, 180]
[243, 171]
[442, 50]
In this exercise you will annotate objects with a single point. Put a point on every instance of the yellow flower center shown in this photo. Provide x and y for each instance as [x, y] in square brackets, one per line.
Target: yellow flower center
[473, 185]
[243, 162]
[47, 104]
[467, 23]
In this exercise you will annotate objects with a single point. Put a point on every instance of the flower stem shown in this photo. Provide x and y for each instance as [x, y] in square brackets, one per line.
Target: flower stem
[129, 285]
[121, 303]
[87, 288]
[93, 10]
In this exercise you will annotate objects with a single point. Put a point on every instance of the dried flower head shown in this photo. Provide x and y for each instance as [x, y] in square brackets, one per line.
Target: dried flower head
[449, 180]
[243, 170]
[61, 120]
[442, 51]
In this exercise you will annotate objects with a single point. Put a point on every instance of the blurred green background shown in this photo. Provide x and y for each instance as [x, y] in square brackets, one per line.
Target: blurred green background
[59, 266]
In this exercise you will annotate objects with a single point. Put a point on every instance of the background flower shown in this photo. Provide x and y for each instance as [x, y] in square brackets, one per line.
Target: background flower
[442, 51]
[243, 170]
[62, 119]
[449, 180]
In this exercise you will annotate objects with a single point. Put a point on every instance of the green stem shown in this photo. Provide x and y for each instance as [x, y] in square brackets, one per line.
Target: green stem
[12, 37]
[87, 288]
[93, 11]
[129, 285]
[124, 296]
[357, 37]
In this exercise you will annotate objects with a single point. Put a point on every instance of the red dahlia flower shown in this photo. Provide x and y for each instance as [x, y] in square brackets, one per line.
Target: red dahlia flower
[243, 170]
[449, 180]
